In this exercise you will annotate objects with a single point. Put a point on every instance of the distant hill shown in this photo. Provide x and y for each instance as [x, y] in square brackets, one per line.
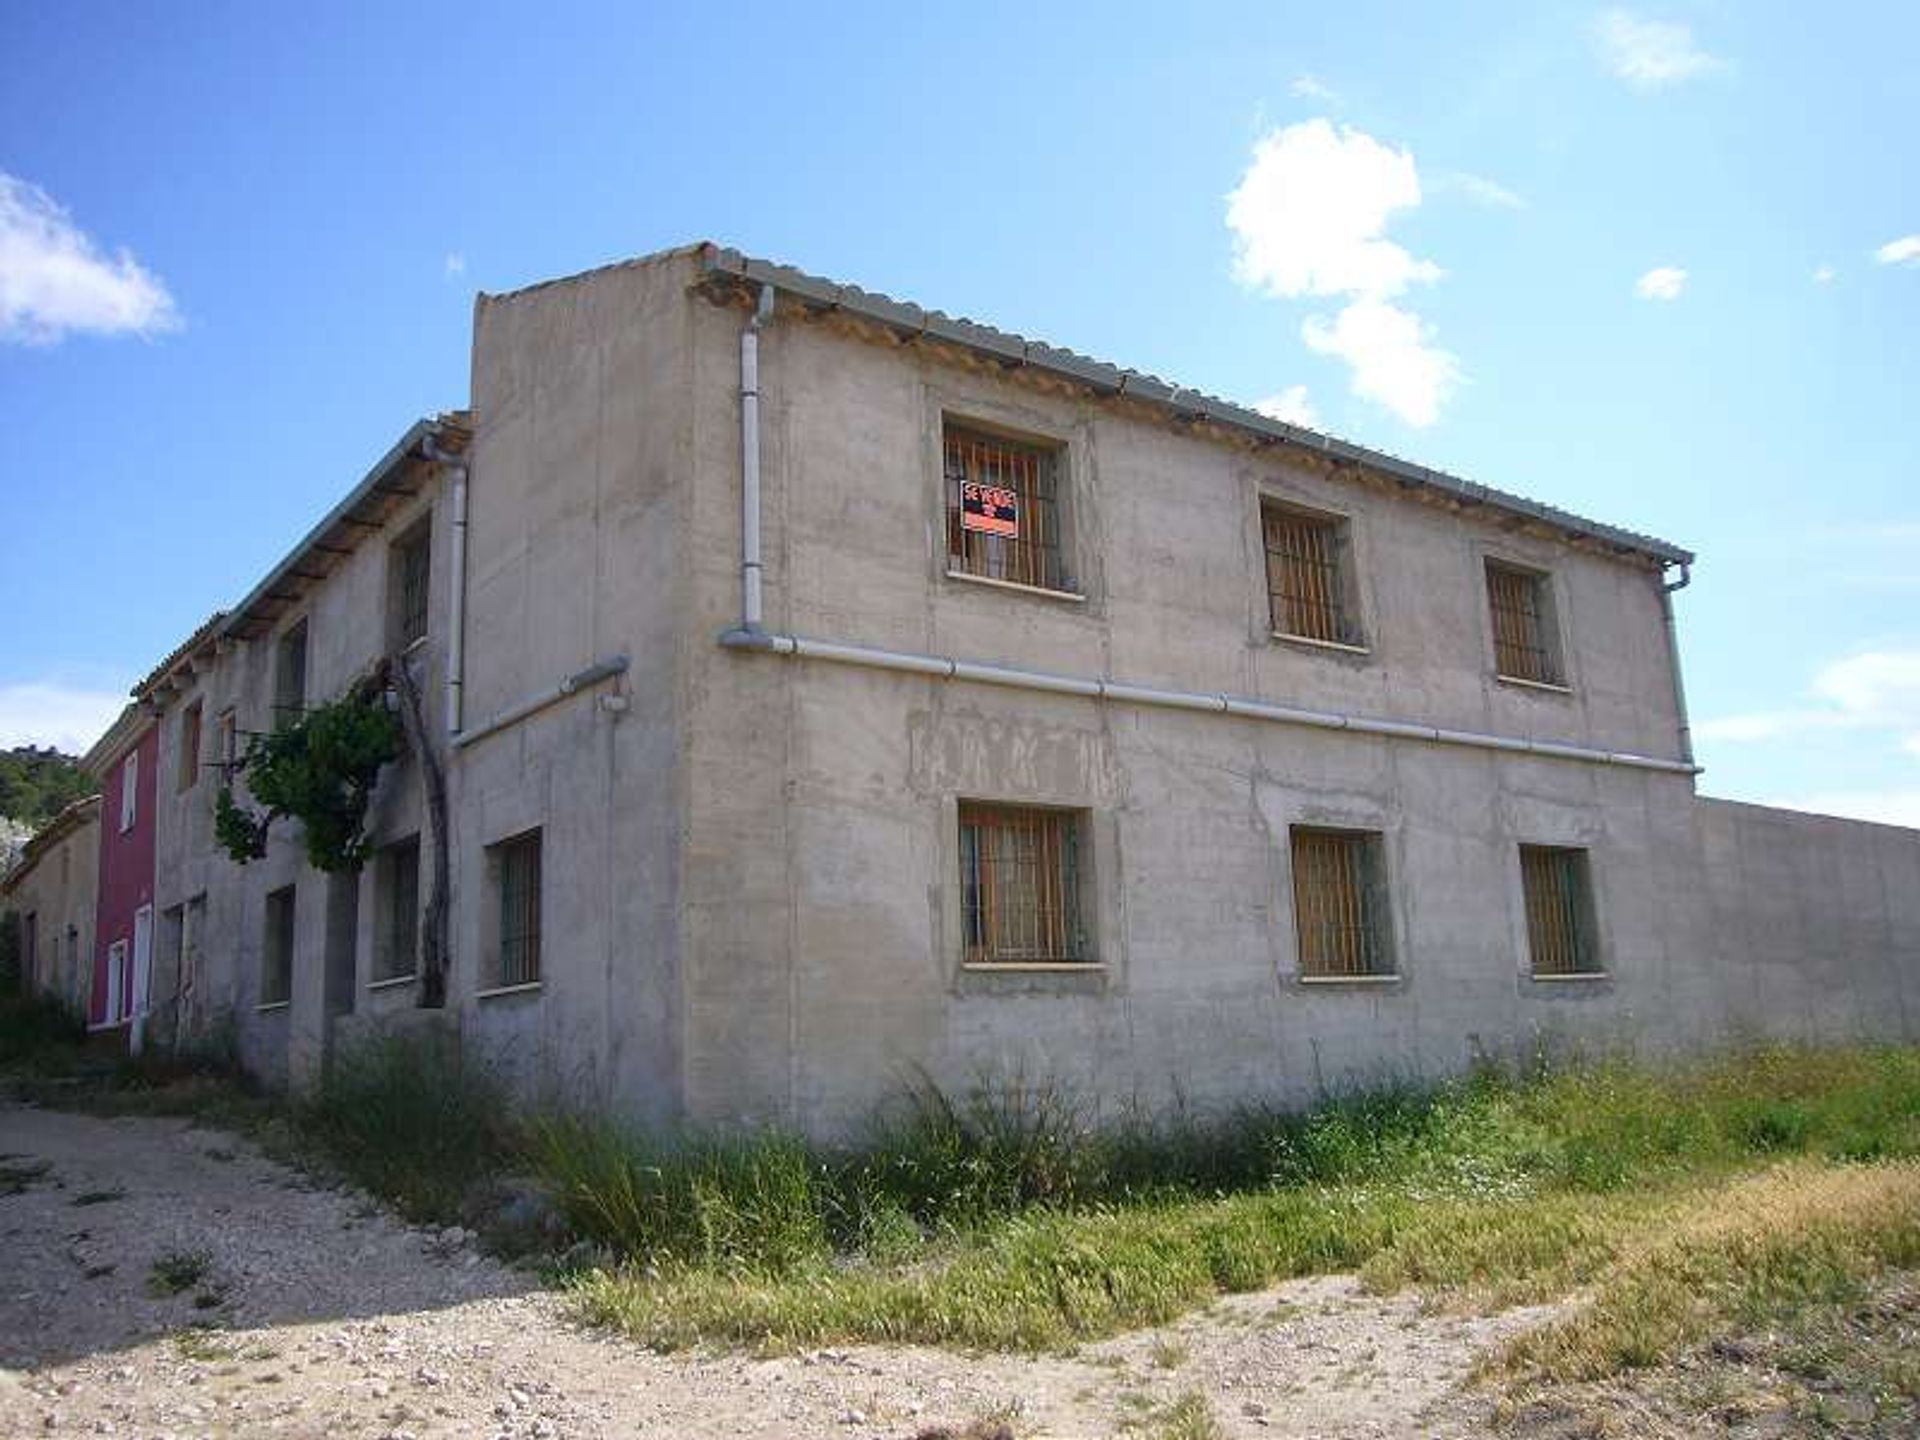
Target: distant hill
[36, 784]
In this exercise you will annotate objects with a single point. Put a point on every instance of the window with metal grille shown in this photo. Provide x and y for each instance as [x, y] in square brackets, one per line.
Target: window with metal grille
[290, 676]
[189, 747]
[398, 875]
[517, 875]
[1559, 900]
[1307, 581]
[1020, 886]
[412, 567]
[1524, 644]
[227, 741]
[1340, 904]
[276, 963]
[1003, 509]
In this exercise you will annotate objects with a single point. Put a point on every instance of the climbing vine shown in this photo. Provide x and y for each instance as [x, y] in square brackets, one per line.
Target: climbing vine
[319, 770]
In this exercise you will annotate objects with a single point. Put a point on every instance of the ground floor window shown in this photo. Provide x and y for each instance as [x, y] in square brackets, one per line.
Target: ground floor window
[516, 875]
[397, 901]
[276, 956]
[1340, 904]
[1559, 900]
[1020, 881]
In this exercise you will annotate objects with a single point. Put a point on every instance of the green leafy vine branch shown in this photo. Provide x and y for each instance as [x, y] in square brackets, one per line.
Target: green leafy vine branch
[319, 770]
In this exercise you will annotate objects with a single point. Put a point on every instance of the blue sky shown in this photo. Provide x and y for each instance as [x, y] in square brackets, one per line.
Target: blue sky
[1659, 265]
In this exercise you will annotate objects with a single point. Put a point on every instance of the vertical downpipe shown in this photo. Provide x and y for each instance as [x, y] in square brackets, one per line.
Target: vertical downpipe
[750, 617]
[457, 606]
[1673, 656]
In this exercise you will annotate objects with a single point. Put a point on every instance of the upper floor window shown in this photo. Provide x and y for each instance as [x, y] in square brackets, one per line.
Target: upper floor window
[1020, 882]
[1309, 575]
[227, 741]
[1526, 641]
[189, 767]
[1003, 509]
[290, 676]
[409, 570]
[129, 792]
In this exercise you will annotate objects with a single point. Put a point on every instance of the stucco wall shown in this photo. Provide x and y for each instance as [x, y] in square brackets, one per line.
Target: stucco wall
[60, 894]
[126, 867]
[1816, 921]
[577, 555]
[821, 908]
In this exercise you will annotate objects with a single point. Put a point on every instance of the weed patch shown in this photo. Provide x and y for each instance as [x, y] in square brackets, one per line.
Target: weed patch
[177, 1271]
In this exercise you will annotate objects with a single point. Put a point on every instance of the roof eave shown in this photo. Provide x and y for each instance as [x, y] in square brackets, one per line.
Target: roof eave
[1011, 349]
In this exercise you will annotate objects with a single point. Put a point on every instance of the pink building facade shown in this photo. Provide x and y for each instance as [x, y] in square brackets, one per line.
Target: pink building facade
[126, 762]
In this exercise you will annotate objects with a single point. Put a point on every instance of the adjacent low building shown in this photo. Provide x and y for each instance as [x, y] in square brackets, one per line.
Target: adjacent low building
[51, 891]
[822, 693]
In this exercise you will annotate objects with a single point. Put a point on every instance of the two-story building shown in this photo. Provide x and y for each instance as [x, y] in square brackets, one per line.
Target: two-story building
[837, 693]
[51, 891]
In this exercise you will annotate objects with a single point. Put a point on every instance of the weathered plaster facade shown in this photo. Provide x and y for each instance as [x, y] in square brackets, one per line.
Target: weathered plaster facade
[750, 891]
[53, 889]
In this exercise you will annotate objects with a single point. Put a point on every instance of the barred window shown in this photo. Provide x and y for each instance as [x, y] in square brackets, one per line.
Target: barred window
[276, 967]
[290, 676]
[412, 568]
[1020, 885]
[1003, 509]
[1340, 904]
[398, 876]
[1559, 899]
[1308, 585]
[189, 767]
[1524, 643]
[517, 876]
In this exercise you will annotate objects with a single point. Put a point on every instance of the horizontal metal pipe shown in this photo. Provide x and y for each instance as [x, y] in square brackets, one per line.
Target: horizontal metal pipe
[533, 704]
[1053, 683]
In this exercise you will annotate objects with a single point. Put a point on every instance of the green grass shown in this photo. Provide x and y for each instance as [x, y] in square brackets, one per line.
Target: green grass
[406, 1117]
[178, 1271]
[1005, 1221]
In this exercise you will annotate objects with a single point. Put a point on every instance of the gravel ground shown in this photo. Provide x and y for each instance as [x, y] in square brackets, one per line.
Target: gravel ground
[304, 1311]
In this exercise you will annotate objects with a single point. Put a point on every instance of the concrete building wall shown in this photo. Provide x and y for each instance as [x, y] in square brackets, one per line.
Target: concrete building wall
[751, 898]
[578, 554]
[128, 772]
[1817, 920]
[211, 936]
[821, 919]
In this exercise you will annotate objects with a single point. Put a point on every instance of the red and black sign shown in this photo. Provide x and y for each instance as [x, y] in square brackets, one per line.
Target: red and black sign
[989, 509]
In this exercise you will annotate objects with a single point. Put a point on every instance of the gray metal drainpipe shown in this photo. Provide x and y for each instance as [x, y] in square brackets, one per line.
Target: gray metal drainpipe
[457, 608]
[1673, 655]
[750, 620]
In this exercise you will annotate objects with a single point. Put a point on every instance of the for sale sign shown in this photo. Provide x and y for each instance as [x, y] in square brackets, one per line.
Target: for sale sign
[989, 509]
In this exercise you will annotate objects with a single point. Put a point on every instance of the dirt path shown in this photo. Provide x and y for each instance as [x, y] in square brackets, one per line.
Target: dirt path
[324, 1316]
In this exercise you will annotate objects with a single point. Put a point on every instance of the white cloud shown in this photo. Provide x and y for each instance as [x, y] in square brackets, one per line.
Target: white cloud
[1878, 690]
[1887, 807]
[455, 264]
[1824, 275]
[1663, 282]
[1309, 218]
[1649, 53]
[1308, 87]
[1480, 189]
[1394, 359]
[1308, 215]
[1904, 251]
[52, 712]
[1290, 406]
[54, 281]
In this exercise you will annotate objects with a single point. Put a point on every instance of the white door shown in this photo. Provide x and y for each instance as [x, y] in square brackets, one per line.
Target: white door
[116, 982]
[142, 974]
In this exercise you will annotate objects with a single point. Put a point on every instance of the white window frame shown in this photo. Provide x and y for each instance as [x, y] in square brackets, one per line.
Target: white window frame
[129, 792]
